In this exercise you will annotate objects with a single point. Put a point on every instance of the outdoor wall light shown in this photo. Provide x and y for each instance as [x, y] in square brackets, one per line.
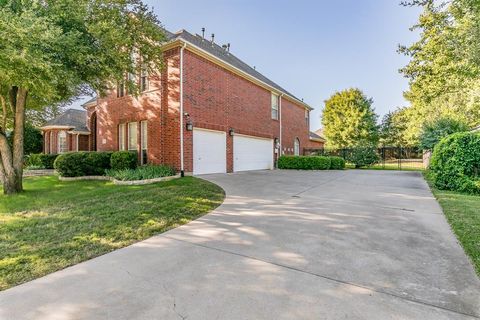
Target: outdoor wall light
[231, 132]
[189, 126]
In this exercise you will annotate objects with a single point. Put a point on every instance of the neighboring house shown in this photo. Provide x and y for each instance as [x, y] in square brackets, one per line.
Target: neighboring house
[67, 132]
[317, 141]
[205, 112]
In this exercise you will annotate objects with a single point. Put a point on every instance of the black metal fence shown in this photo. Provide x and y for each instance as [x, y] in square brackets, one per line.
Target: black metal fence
[397, 158]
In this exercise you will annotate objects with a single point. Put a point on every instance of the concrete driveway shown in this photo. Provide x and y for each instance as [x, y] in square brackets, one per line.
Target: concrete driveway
[284, 245]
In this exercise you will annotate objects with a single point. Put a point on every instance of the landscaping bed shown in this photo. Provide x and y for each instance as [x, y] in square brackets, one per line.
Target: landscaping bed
[56, 224]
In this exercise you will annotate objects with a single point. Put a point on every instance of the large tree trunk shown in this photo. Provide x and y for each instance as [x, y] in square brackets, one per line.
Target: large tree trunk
[18, 137]
[8, 173]
[11, 163]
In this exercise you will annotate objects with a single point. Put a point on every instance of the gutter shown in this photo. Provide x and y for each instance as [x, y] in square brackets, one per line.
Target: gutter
[182, 169]
[280, 113]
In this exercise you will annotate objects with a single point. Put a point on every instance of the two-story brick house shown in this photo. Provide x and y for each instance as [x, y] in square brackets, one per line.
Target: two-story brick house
[205, 112]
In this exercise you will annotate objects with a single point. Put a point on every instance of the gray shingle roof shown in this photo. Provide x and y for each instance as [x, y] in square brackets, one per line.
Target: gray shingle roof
[224, 55]
[76, 119]
[313, 135]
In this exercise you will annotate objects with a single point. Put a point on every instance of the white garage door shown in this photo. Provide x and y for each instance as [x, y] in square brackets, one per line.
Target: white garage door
[251, 153]
[209, 152]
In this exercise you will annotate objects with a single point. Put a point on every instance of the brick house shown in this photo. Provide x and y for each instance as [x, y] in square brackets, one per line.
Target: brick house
[67, 132]
[205, 112]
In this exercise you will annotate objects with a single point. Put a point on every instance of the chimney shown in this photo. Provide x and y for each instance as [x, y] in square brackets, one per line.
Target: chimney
[203, 33]
[213, 37]
[228, 47]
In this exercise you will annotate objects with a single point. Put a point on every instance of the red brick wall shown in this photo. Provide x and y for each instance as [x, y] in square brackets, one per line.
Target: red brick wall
[314, 145]
[53, 148]
[83, 142]
[218, 99]
[214, 98]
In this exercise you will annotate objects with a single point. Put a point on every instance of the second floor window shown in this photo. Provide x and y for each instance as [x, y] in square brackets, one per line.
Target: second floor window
[274, 106]
[307, 117]
[144, 80]
[120, 89]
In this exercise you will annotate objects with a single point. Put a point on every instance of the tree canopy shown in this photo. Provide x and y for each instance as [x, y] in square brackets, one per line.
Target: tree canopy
[444, 67]
[349, 120]
[53, 51]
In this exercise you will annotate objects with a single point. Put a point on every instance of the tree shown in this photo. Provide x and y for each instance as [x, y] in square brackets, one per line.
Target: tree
[434, 131]
[393, 127]
[54, 51]
[349, 120]
[444, 66]
[33, 140]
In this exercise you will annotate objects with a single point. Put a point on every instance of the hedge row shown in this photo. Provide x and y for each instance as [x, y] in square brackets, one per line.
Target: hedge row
[455, 163]
[311, 163]
[76, 164]
[40, 161]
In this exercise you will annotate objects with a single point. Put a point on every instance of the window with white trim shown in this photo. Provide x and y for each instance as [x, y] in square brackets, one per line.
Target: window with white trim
[121, 136]
[120, 89]
[296, 147]
[144, 79]
[144, 141]
[307, 117]
[274, 106]
[132, 136]
[62, 142]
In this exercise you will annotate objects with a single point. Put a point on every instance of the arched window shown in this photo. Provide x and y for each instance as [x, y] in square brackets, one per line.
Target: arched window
[296, 147]
[62, 142]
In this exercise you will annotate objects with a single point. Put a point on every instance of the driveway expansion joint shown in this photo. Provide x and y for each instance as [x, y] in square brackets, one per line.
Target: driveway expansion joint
[411, 300]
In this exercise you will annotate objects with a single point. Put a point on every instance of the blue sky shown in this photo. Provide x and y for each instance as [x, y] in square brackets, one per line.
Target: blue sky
[311, 48]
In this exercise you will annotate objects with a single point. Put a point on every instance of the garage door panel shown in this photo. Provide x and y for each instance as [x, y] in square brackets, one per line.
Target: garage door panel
[250, 153]
[209, 152]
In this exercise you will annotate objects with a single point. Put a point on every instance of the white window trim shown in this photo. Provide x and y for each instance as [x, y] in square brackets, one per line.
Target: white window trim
[296, 147]
[144, 74]
[121, 137]
[144, 138]
[274, 107]
[135, 147]
[64, 136]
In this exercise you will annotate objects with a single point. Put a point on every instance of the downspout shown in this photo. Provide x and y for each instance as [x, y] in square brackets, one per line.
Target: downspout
[182, 170]
[280, 110]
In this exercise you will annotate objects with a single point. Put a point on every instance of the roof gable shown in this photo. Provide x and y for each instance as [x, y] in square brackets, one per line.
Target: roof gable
[71, 118]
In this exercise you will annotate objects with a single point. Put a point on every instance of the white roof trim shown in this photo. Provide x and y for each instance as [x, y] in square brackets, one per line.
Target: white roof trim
[56, 127]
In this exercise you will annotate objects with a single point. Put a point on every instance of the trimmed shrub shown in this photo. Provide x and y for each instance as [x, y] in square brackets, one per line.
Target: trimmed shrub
[455, 163]
[363, 156]
[304, 162]
[142, 173]
[76, 164]
[121, 160]
[337, 163]
[40, 161]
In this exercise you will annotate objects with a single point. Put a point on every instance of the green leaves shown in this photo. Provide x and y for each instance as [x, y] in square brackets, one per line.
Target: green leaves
[444, 69]
[60, 49]
[349, 120]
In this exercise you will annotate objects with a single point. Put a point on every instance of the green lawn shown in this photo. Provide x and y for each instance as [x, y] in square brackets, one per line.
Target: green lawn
[56, 224]
[463, 214]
